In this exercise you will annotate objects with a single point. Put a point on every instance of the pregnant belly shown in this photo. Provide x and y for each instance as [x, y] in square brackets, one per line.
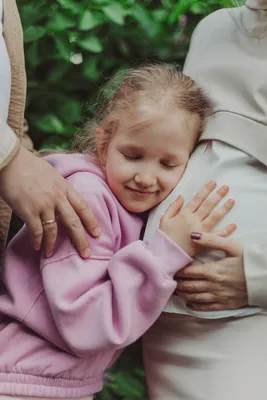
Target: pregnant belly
[247, 179]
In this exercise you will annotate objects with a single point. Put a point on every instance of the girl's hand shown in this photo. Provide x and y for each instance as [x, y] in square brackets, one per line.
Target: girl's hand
[196, 216]
[217, 285]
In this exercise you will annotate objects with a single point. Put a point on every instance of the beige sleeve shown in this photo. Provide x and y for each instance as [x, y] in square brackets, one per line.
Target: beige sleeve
[255, 263]
[9, 144]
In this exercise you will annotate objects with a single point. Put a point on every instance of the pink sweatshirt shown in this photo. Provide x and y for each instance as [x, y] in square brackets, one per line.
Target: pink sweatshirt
[64, 320]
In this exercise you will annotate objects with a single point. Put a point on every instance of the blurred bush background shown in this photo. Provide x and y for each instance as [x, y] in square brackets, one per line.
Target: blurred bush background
[71, 48]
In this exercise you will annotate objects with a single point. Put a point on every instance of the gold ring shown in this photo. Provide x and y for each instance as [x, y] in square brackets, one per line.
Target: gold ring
[48, 222]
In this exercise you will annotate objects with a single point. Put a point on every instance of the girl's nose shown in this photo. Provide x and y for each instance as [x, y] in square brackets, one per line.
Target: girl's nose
[145, 180]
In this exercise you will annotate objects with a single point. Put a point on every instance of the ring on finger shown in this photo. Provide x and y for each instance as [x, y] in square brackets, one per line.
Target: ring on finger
[48, 222]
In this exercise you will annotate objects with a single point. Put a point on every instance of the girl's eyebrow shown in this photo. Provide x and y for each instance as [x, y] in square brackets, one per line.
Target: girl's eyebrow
[132, 146]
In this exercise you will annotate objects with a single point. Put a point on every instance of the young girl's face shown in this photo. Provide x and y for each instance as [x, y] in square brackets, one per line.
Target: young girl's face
[143, 166]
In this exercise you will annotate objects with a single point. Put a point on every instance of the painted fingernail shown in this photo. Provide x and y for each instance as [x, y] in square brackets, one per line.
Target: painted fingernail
[96, 231]
[49, 254]
[195, 235]
[86, 253]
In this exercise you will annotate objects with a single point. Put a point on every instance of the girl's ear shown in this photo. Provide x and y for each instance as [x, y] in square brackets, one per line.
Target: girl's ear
[101, 148]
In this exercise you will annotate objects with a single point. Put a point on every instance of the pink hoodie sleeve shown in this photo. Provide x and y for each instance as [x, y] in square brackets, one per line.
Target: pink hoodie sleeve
[110, 300]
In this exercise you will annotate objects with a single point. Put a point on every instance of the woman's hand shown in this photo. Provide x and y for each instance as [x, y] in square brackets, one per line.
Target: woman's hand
[197, 215]
[36, 192]
[217, 285]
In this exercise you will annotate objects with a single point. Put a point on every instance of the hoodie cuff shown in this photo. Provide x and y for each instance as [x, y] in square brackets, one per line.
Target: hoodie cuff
[173, 258]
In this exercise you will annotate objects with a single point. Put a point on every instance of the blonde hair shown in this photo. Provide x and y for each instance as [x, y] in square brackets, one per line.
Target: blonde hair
[157, 86]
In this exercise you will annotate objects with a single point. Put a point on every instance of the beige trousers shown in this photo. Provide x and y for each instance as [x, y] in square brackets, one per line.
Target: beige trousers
[188, 358]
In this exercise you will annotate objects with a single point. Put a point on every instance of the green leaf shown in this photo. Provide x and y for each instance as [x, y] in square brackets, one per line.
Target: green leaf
[115, 12]
[60, 22]
[88, 21]
[58, 71]
[63, 45]
[72, 6]
[34, 33]
[90, 69]
[33, 55]
[69, 110]
[198, 8]
[58, 143]
[50, 123]
[91, 43]
[32, 15]
[181, 8]
[140, 14]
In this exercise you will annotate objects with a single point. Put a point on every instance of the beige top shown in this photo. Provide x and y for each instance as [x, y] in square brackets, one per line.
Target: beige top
[9, 143]
[238, 84]
[14, 41]
[232, 46]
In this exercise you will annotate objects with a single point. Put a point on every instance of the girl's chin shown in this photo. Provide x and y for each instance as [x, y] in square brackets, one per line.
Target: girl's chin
[137, 208]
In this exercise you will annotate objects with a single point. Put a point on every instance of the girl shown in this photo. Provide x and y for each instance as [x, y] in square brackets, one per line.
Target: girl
[65, 322]
[206, 357]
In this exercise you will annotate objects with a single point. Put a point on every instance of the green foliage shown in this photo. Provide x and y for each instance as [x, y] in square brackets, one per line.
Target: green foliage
[72, 47]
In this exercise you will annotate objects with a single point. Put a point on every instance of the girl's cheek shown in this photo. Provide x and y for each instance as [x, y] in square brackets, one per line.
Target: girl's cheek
[173, 178]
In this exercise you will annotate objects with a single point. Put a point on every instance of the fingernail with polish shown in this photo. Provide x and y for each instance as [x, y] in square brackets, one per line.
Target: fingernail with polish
[195, 235]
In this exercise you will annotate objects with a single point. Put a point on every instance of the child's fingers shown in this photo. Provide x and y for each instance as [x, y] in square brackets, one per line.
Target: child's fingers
[227, 231]
[208, 206]
[200, 197]
[218, 215]
[174, 208]
[212, 241]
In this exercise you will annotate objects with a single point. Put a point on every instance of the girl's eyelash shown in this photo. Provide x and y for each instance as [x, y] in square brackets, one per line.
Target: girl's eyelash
[132, 157]
[168, 166]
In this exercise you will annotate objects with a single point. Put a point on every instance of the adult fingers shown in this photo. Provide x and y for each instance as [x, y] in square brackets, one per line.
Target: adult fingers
[86, 215]
[212, 201]
[210, 240]
[195, 286]
[35, 228]
[194, 204]
[72, 222]
[49, 223]
[196, 271]
[198, 297]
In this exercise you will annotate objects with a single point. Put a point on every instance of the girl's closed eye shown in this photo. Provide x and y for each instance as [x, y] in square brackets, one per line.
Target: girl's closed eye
[168, 165]
[132, 156]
